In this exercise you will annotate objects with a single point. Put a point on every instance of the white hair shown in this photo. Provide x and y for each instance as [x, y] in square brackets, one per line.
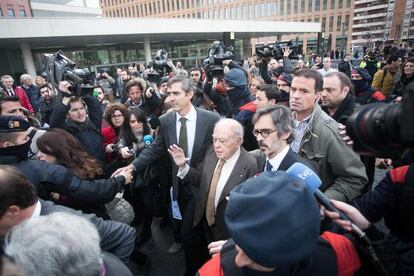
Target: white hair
[57, 244]
[235, 126]
[25, 77]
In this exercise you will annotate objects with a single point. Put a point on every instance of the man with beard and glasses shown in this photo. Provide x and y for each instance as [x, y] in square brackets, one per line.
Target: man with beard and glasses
[273, 128]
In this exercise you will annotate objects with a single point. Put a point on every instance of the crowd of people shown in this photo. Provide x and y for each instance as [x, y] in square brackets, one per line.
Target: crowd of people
[212, 154]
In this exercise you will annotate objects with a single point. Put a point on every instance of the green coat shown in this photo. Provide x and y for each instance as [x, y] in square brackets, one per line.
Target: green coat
[340, 168]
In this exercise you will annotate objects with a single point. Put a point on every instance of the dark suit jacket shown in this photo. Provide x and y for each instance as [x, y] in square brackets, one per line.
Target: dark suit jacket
[290, 158]
[167, 135]
[116, 238]
[244, 168]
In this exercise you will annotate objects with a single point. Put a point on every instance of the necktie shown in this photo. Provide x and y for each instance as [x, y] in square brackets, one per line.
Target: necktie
[210, 208]
[182, 138]
[268, 167]
[11, 93]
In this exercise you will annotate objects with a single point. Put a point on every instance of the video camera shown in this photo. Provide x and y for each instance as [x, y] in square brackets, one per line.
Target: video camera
[159, 67]
[383, 130]
[216, 55]
[275, 50]
[57, 67]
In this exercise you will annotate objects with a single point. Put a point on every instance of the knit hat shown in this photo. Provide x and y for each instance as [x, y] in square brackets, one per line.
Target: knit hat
[236, 78]
[274, 219]
[363, 72]
[13, 124]
[286, 78]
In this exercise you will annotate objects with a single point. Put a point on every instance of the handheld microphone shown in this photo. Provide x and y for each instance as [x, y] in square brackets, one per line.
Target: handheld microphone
[313, 182]
[148, 139]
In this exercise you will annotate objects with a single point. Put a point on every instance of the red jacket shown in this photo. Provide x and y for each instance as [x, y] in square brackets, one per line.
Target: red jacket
[109, 137]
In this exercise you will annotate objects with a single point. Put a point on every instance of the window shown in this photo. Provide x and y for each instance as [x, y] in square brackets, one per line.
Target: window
[346, 22]
[256, 11]
[338, 23]
[324, 4]
[317, 5]
[250, 12]
[332, 4]
[288, 8]
[22, 12]
[331, 23]
[244, 12]
[10, 11]
[309, 5]
[323, 24]
[269, 9]
[302, 6]
[282, 7]
[340, 4]
[275, 7]
[262, 9]
[348, 3]
[226, 14]
[295, 6]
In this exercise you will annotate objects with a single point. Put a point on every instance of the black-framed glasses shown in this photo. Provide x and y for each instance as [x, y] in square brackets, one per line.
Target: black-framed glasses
[264, 132]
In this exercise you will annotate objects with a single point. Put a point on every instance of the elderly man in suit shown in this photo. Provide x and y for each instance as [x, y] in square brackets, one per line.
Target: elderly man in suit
[190, 128]
[225, 166]
[273, 128]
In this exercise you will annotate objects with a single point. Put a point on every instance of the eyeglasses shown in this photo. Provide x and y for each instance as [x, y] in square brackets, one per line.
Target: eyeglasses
[223, 142]
[117, 116]
[264, 132]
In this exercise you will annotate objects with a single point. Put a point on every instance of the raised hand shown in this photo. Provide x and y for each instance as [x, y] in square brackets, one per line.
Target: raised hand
[177, 155]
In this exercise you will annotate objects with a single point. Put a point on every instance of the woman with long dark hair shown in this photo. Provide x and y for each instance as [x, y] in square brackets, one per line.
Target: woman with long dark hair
[131, 143]
[60, 147]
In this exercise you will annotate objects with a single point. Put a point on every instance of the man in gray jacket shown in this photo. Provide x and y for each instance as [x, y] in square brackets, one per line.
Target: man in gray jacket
[317, 139]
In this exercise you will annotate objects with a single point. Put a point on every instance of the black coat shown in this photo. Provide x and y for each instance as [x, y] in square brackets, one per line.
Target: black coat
[89, 132]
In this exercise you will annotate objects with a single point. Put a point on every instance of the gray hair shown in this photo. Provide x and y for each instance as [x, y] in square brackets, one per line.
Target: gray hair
[25, 77]
[281, 118]
[186, 83]
[57, 244]
[5, 77]
[235, 126]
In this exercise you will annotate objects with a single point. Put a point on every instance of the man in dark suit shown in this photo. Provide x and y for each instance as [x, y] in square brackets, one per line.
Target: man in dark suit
[273, 128]
[190, 128]
[225, 166]
[19, 202]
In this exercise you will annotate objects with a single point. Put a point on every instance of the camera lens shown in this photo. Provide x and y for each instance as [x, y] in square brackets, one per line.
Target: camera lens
[375, 129]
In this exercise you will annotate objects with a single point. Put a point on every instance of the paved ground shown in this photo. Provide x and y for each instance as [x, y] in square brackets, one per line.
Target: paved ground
[165, 264]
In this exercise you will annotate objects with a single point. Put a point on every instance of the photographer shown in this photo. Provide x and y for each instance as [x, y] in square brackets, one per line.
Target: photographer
[71, 115]
[106, 81]
[45, 104]
[282, 66]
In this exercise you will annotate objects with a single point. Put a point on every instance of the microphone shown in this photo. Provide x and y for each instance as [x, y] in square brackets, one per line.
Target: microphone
[313, 182]
[148, 139]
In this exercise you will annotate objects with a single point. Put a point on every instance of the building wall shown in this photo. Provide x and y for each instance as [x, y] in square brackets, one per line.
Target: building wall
[335, 15]
[15, 8]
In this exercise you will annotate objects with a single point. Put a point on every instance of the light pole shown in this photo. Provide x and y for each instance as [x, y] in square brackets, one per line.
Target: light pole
[342, 36]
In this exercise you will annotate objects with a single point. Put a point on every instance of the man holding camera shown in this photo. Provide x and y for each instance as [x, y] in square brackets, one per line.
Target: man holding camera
[106, 81]
[70, 114]
[147, 102]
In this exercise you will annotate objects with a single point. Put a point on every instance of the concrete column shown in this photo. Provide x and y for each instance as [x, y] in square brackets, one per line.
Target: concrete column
[28, 59]
[147, 49]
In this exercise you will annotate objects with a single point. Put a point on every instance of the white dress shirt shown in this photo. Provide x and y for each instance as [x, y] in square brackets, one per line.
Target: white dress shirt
[277, 160]
[191, 129]
[37, 210]
[225, 174]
